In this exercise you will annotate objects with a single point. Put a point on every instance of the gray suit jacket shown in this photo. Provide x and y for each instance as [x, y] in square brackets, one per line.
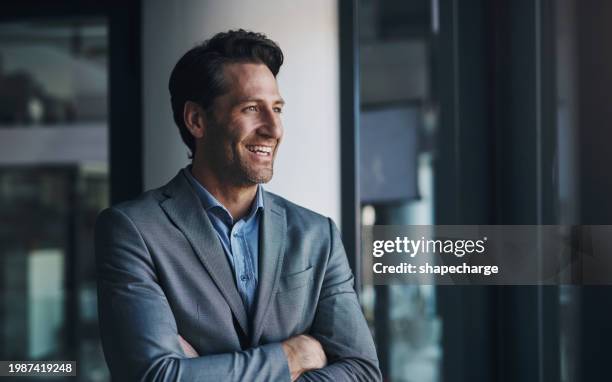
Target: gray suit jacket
[162, 272]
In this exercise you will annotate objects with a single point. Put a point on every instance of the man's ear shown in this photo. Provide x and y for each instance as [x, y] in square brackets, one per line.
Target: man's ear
[195, 119]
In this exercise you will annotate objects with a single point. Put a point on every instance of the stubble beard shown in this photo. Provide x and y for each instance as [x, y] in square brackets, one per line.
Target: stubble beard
[253, 176]
[237, 170]
[234, 168]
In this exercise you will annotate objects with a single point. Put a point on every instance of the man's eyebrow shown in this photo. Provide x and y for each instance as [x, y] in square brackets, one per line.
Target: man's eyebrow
[248, 99]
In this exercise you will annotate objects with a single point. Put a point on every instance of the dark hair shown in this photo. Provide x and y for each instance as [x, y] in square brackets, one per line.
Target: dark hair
[198, 75]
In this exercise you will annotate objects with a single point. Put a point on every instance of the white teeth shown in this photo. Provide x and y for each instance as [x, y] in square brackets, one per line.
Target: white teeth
[260, 150]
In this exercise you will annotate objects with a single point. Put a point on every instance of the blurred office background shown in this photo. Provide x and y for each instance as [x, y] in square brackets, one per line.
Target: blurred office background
[398, 112]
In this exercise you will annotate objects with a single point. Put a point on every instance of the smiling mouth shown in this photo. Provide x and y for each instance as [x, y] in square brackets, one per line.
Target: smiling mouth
[264, 151]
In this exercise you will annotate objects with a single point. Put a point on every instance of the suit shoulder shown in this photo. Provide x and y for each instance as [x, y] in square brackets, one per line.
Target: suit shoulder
[297, 212]
[144, 204]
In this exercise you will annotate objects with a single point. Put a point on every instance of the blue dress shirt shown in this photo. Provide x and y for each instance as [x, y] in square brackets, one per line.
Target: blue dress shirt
[240, 240]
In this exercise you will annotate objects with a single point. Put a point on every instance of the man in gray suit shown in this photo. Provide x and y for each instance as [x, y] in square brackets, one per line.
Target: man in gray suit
[211, 278]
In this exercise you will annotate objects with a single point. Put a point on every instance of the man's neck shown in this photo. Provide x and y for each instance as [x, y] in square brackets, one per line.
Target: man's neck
[236, 199]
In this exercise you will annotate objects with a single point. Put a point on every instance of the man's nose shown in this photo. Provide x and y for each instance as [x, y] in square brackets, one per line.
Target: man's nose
[272, 125]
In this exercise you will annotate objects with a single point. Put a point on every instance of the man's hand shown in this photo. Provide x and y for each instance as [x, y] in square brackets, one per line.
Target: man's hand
[303, 353]
[187, 348]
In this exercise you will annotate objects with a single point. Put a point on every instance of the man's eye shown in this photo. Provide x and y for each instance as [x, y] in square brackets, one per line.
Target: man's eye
[250, 108]
[278, 110]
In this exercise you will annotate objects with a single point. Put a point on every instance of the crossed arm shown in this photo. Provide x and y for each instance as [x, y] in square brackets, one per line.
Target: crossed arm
[141, 341]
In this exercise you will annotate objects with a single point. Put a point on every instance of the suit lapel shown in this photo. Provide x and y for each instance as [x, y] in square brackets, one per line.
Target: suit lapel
[182, 208]
[271, 248]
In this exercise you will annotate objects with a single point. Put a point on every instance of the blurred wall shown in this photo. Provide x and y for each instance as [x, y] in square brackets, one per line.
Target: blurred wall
[307, 169]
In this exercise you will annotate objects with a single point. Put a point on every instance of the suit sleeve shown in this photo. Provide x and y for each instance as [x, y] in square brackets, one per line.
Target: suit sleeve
[138, 330]
[340, 326]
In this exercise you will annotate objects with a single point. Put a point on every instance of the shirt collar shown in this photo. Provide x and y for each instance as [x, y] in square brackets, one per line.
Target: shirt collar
[209, 202]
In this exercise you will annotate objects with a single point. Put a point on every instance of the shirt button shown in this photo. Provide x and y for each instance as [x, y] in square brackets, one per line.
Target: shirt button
[244, 277]
[235, 234]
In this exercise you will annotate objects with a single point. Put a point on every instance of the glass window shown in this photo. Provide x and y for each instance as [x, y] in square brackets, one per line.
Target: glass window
[53, 183]
[397, 122]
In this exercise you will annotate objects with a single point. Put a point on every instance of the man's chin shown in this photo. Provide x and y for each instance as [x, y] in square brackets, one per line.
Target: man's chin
[261, 179]
[257, 177]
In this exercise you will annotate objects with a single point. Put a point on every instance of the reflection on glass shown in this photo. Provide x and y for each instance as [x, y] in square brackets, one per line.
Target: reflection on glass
[53, 183]
[53, 73]
[399, 116]
[397, 123]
